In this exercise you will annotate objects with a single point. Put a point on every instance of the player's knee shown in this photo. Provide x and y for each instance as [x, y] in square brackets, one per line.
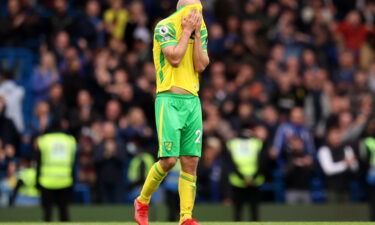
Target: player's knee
[189, 164]
[168, 163]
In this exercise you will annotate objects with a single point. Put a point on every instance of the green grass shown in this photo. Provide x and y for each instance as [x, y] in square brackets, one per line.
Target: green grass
[203, 223]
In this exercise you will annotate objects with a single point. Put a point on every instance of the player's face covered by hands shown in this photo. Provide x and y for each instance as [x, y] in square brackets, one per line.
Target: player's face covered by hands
[190, 22]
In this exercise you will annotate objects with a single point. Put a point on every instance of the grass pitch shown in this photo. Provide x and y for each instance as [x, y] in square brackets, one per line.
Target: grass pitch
[203, 223]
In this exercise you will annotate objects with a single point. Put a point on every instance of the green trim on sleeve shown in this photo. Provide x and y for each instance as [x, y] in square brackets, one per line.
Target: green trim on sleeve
[169, 43]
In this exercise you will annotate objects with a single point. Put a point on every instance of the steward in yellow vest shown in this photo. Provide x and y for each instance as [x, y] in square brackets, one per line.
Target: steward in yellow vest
[139, 167]
[246, 154]
[26, 192]
[55, 170]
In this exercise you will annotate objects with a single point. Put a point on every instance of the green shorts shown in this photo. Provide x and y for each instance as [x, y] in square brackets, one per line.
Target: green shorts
[179, 125]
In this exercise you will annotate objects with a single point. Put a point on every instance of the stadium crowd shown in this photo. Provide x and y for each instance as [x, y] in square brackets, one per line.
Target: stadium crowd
[299, 73]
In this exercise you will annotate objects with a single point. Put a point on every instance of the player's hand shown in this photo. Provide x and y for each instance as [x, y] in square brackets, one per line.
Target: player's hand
[190, 22]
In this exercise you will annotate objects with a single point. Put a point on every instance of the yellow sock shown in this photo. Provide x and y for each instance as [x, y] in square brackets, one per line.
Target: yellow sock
[154, 178]
[187, 190]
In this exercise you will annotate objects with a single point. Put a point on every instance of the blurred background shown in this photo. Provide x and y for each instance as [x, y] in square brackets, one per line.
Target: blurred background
[299, 75]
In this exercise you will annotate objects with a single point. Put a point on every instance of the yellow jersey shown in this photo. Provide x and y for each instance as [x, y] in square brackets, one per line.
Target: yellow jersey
[120, 19]
[168, 32]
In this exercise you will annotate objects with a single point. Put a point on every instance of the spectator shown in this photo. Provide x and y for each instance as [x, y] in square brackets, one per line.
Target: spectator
[7, 156]
[39, 123]
[56, 102]
[293, 128]
[135, 126]
[116, 19]
[244, 117]
[120, 79]
[83, 115]
[8, 184]
[43, 77]
[87, 171]
[12, 26]
[13, 95]
[61, 20]
[317, 102]
[113, 111]
[352, 32]
[270, 120]
[91, 26]
[26, 193]
[8, 131]
[216, 40]
[287, 96]
[347, 69]
[298, 171]
[338, 162]
[212, 180]
[109, 157]
[72, 81]
[127, 97]
[136, 26]
[60, 43]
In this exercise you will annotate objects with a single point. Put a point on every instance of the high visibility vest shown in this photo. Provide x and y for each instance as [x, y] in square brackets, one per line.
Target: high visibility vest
[57, 158]
[28, 178]
[134, 172]
[245, 153]
[370, 144]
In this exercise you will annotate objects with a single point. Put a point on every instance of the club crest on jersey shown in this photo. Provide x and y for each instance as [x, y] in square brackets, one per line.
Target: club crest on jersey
[164, 30]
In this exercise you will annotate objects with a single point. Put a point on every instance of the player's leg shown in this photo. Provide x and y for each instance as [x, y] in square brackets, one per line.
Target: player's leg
[187, 186]
[155, 176]
[191, 147]
[168, 128]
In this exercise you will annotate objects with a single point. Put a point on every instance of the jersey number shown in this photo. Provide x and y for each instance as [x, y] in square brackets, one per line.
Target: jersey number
[198, 133]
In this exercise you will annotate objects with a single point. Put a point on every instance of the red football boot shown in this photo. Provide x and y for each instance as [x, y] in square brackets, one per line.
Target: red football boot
[190, 222]
[140, 212]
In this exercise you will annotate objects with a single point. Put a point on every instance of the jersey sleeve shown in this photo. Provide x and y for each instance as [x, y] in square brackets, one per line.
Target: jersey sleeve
[165, 34]
[204, 39]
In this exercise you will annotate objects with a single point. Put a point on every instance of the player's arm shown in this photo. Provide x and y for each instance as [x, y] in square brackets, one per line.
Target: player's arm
[200, 56]
[175, 53]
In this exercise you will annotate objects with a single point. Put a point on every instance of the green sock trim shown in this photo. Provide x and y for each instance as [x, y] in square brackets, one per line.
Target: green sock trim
[158, 171]
[187, 178]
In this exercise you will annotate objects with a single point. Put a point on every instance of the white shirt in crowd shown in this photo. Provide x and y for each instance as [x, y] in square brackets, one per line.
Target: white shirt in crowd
[13, 95]
[332, 168]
